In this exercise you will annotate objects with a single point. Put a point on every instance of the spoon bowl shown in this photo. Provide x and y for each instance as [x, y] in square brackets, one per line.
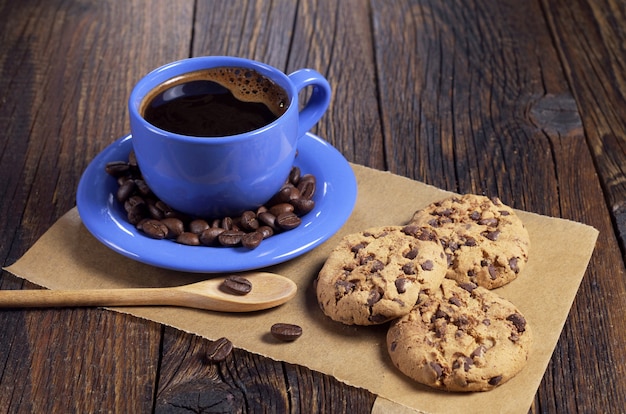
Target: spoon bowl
[268, 290]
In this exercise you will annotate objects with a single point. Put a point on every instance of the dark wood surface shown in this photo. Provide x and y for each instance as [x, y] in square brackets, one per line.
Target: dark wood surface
[520, 99]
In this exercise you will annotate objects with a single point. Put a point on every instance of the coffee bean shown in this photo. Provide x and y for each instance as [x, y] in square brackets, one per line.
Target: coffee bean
[294, 175]
[286, 331]
[282, 196]
[227, 223]
[219, 350]
[175, 227]
[136, 213]
[209, 237]
[125, 190]
[288, 221]
[266, 231]
[117, 168]
[132, 159]
[142, 187]
[307, 188]
[188, 238]
[198, 226]
[281, 208]
[154, 229]
[230, 237]
[249, 221]
[302, 206]
[268, 219]
[251, 240]
[236, 285]
[153, 211]
[133, 201]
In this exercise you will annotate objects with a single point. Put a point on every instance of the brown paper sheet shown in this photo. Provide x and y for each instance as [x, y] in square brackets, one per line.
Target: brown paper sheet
[67, 256]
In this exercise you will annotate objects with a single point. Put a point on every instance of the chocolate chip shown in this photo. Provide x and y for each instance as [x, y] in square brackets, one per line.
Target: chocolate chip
[464, 362]
[401, 284]
[411, 254]
[374, 297]
[378, 318]
[490, 222]
[470, 241]
[411, 230]
[220, 349]
[495, 380]
[513, 264]
[518, 321]
[366, 259]
[427, 235]
[344, 287]
[409, 268]
[469, 286]
[440, 328]
[492, 235]
[437, 368]
[462, 322]
[377, 266]
[427, 265]
[478, 352]
[455, 301]
[357, 247]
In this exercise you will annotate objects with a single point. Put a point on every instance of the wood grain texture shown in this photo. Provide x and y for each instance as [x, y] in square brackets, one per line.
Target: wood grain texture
[524, 100]
[246, 382]
[483, 105]
[67, 68]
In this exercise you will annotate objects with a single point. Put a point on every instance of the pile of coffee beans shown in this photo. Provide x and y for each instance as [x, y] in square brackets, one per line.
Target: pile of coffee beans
[157, 220]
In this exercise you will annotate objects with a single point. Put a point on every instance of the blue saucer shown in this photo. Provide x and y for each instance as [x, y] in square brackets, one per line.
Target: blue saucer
[105, 218]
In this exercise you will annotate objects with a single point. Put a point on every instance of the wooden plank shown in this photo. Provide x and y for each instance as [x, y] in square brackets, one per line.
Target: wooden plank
[591, 61]
[335, 38]
[243, 380]
[474, 99]
[67, 71]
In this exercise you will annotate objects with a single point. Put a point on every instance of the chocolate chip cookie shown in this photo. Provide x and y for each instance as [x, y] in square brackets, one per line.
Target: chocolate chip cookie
[376, 275]
[460, 338]
[485, 240]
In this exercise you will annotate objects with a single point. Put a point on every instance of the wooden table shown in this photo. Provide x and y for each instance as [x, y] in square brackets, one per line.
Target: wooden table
[520, 99]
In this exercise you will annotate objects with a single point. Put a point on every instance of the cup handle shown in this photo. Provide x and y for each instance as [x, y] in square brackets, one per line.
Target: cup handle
[319, 100]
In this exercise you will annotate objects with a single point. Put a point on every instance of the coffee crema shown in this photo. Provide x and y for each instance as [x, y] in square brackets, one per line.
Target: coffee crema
[215, 102]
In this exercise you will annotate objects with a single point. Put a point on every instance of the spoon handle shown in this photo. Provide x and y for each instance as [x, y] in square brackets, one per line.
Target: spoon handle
[93, 297]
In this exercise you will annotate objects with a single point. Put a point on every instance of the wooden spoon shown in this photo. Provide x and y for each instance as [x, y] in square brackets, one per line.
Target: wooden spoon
[268, 290]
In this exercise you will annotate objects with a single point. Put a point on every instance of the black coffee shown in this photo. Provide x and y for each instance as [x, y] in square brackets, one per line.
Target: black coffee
[215, 102]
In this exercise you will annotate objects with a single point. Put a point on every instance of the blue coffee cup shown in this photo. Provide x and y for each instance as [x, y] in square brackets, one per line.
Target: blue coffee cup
[221, 176]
